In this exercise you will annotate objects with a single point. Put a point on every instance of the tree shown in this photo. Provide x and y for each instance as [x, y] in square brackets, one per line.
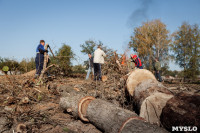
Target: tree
[88, 47]
[78, 69]
[63, 58]
[151, 40]
[12, 64]
[27, 65]
[186, 48]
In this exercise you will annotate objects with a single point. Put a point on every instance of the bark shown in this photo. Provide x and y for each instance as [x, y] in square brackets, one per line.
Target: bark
[45, 62]
[181, 110]
[156, 104]
[112, 119]
[106, 116]
[70, 103]
[147, 88]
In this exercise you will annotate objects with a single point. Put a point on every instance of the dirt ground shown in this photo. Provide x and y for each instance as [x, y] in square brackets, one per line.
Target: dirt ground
[32, 108]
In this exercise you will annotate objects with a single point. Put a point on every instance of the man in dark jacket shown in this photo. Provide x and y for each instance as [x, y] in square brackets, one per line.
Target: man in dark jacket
[91, 66]
[137, 61]
[157, 68]
[39, 60]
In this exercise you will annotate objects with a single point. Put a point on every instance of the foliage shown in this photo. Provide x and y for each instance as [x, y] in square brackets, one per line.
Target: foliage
[12, 64]
[5, 69]
[78, 69]
[88, 47]
[186, 48]
[27, 65]
[151, 40]
[63, 58]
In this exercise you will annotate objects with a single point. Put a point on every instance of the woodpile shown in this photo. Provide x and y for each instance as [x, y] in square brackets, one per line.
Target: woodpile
[105, 115]
[157, 104]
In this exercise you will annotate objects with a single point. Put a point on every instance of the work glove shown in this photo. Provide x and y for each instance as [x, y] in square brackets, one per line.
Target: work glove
[47, 45]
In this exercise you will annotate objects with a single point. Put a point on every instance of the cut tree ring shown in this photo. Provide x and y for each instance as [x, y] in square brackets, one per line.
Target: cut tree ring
[82, 107]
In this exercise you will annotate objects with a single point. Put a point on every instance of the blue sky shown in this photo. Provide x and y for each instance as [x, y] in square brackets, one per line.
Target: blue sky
[24, 22]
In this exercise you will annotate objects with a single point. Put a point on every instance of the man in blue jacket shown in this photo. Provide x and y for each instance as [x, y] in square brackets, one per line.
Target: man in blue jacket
[39, 60]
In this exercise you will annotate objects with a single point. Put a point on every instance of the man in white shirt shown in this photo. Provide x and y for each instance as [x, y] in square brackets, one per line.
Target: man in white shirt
[98, 60]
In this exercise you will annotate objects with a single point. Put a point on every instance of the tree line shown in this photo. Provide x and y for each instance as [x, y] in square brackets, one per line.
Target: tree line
[150, 40]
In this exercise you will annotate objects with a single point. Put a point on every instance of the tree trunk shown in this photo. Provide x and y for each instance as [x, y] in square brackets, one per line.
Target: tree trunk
[136, 77]
[181, 110]
[157, 104]
[106, 116]
[45, 63]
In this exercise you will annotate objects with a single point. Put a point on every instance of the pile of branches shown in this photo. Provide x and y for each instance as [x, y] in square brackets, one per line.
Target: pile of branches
[18, 97]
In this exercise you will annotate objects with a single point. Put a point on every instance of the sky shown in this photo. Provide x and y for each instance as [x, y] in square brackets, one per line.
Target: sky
[24, 22]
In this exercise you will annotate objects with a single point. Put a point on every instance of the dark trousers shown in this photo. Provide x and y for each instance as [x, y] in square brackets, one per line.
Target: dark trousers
[39, 61]
[158, 77]
[140, 67]
[97, 71]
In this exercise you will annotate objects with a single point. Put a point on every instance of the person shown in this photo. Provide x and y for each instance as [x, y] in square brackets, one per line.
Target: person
[98, 60]
[157, 68]
[39, 59]
[137, 61]
[91, 66]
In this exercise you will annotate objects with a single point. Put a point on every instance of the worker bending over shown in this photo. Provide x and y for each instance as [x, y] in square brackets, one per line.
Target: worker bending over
[137, 61]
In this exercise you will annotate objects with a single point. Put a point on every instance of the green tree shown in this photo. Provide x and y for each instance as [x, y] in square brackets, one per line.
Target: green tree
[11, 63]
[186, 48]
[27, 65]
[64, 57]
[88, 47]
[151, 40]
[78, 69]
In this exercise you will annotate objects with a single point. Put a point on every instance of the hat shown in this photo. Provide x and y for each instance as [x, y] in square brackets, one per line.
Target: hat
[133, 56]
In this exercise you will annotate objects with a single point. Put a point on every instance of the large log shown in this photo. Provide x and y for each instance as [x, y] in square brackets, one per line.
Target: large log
[136, 77]
[147, 88]
[157, 104]
[182, 110]
[106, 116]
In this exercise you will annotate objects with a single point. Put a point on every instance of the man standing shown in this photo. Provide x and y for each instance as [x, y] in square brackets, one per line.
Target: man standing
[98, 60]
[137, 61]
[39, 60]
[91, 66]
[157, 68]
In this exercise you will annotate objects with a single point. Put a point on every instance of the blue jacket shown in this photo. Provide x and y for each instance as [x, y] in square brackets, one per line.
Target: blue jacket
[40, 49]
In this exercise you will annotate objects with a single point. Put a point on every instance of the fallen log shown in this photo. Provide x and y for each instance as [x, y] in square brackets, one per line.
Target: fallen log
[157, 104]
[181, 110]
[106, 116]
[136, 77]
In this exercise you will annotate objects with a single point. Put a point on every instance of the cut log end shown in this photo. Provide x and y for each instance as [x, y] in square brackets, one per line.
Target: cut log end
[136, 77]
[152, 106]
[82, 107]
